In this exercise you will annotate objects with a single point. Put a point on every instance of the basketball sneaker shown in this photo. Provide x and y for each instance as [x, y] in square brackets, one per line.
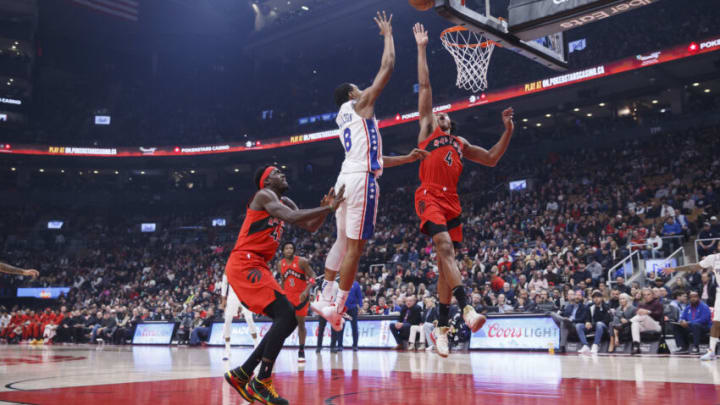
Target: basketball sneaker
[473, 320]
[301, 356]
[441, 341]
[264, 392]
[239, 382]
[328, 310]
[709, 356]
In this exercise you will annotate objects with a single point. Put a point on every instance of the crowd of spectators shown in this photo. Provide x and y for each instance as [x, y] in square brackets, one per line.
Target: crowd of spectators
[530, 251]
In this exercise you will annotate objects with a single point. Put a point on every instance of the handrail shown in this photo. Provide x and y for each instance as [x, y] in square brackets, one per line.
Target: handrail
[620, 263]
[697, 252]
[672, 281]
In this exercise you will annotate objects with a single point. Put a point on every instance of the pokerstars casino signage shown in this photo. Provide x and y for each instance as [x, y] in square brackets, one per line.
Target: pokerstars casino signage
[517, 332]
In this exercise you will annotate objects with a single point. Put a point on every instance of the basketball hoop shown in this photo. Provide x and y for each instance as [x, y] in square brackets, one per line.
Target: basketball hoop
[471, 51]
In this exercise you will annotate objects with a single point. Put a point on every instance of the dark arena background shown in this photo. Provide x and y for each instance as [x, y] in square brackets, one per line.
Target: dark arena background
[130, 132]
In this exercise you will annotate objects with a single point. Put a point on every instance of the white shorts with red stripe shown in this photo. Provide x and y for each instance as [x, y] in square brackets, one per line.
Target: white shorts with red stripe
[356, 216]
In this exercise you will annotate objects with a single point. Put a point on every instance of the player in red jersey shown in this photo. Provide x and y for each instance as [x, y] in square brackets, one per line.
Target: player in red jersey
[298, 277]
[436, 200]
[249, 275]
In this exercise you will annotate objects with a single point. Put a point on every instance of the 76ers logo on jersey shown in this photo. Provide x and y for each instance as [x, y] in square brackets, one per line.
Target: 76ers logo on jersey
[254, 275]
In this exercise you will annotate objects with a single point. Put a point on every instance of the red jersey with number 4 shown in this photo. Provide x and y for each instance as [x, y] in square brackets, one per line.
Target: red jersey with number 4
[444, 165]
[260, 234]
[294, 277]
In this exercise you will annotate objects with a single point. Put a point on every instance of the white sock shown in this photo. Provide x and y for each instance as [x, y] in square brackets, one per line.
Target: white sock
[713, 344]
[340, 300]
[328, 290]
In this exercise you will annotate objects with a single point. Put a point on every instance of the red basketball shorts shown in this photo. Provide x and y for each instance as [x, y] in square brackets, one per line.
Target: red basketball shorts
[253, 282]
[439, 211]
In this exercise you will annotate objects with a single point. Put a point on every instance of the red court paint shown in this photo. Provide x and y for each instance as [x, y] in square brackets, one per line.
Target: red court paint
[340, 388]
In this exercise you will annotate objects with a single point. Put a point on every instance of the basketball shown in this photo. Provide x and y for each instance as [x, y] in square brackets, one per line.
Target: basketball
[422, 5]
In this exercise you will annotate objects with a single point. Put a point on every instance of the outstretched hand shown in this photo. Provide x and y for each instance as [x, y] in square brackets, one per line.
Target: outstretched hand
[421, 36]
[31, 273]
[333, 200]
[507, 117]
[384, 23]
[418, 154]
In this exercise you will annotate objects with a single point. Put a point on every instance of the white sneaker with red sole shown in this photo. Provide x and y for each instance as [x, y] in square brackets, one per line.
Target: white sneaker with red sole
[329, 312]
[473, 320]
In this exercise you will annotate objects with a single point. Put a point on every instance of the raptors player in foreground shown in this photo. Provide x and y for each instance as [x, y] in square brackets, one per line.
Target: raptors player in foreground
[362, 167]
[436, 200]
[253, 282]
[712, 263]
[230, 304]
[298, 277]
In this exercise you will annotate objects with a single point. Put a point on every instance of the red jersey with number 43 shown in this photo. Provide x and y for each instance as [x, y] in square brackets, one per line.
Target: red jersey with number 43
[294, 277]
[444, 165]
[260, 234]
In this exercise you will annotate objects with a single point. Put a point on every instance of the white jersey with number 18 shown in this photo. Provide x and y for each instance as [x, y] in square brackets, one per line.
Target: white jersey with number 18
[361, 140]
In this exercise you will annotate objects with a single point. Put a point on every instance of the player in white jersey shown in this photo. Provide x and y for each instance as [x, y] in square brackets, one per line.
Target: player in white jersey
[712, 263]
[363, 165]
[231, 304]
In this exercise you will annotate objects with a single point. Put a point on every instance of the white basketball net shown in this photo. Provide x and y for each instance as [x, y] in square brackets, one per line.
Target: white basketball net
[472, 52]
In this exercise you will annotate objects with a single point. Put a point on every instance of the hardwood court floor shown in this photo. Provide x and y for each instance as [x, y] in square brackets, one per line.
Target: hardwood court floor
[110, 375]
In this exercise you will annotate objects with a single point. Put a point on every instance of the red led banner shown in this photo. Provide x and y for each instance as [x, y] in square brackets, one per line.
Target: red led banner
[567, 79]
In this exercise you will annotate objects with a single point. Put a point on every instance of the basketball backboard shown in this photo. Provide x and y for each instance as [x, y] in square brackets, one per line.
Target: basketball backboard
[549, 50]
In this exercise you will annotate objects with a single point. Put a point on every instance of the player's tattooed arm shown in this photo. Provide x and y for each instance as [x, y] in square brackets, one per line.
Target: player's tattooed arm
[267, 200]
[427, 120]
[365, 106]
[414, 155]
[313, 224]
[8, 269]
[491, 157]
[290, 203]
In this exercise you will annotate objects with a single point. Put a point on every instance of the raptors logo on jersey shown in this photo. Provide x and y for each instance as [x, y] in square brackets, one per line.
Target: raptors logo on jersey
[361, 140]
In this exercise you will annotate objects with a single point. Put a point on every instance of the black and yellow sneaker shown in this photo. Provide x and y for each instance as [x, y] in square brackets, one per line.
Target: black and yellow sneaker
[264, 392]
[239, 381]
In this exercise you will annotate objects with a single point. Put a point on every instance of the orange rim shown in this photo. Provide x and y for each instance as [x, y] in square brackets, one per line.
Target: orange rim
[459, 28]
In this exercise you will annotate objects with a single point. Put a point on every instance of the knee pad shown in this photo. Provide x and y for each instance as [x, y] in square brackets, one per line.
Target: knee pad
[336, 254]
